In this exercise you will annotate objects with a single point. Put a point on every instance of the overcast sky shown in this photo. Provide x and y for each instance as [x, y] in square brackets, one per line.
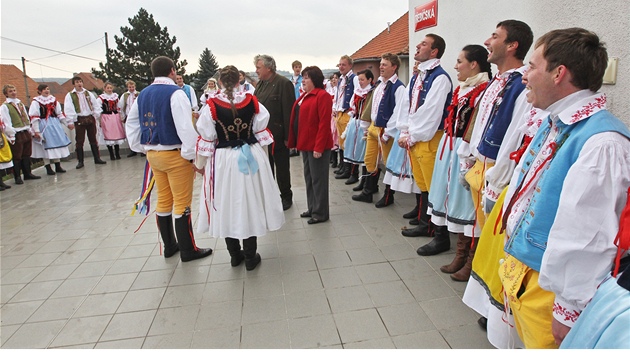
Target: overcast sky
[314, 32]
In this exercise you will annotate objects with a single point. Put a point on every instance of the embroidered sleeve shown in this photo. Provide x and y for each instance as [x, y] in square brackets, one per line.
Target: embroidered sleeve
[564, 313]
[205, 147]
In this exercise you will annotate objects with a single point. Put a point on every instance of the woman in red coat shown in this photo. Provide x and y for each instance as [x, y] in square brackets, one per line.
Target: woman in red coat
[310, 133]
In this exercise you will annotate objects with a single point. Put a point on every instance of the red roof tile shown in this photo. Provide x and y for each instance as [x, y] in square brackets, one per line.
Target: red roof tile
[395, 40]
[10, 74]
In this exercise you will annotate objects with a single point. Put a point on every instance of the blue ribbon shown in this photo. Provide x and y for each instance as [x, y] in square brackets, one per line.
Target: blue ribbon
[246, 161]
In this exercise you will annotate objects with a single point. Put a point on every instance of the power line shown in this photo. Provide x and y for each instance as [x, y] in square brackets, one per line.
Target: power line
[47, 66]
[71, 50]
[52, 50]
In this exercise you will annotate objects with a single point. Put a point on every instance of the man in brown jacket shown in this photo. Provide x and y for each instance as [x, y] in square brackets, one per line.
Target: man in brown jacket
[277, 94]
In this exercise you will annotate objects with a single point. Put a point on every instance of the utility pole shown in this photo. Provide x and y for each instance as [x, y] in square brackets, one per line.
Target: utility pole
[106, 52]
[28, 96]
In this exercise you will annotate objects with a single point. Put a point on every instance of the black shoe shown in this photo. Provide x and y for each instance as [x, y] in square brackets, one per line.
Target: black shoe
[414, 221]
[360, 186]
[58, 168]
[423, 229]
[165, 227]
[18, 180]
[236, 260]
[305, 214]
[483, 323]
[312, 221]
[412, 214]
[387, 199]
[367, 198]
[251, 263]
[441, 241]
[352, 180]
[80, 165]
[132, 154]
[49, 170]
[286, 204]
[31, 176]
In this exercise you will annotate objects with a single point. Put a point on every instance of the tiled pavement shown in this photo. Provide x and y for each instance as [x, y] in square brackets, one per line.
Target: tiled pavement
[74, 275]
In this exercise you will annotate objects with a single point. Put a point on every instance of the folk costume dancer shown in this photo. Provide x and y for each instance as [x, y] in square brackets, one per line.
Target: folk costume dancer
[450, 204]
[239, 199]
[159, 125]
[554, 262]
[17, 126]
[111, 121]
[501, 113]
[125, 103]
[354, 142]
[50, 142]
[430, 93]
[379, 132]
[348, 81]
[81, 106]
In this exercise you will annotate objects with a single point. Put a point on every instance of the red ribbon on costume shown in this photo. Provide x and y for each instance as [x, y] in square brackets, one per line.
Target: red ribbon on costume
[622, 241]
[518, 154]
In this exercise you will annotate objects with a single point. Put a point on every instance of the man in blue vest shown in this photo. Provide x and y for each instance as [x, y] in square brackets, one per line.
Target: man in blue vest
[567, 193]
[380, 131]
[159, 125]
[341, 106]
[430, 93]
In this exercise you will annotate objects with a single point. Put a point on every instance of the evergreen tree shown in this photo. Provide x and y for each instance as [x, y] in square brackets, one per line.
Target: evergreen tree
[142, 42]
[208, 66]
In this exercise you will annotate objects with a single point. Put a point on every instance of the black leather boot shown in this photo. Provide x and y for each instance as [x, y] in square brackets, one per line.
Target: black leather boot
[441, 242]
[188, 250]
[341, 165]
[49, 170]
[345, 172]
[424, 226]
[252, 259]
[333, 159]
[362, 178]
[387, 199]
[371, 184]
[80, 158]
[111, 152]
[17, 171]
[97, 155]
[26, 169]
[58, 168]
[165, 226]
[132, 154]
[117, 151]
[413, 214]
[354, 174]
[234, 248]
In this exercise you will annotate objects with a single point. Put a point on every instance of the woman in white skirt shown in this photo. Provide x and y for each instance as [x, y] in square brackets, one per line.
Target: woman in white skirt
[50, 141]
[239, 199]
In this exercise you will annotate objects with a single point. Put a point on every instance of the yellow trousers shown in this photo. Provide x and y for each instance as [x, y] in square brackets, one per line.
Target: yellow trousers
[174, 181]
[476, 178]
[531, 305]
[341, 122]
[423, 159]
[373, 147]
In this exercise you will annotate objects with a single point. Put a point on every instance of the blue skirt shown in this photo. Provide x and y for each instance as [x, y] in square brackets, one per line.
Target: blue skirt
[53, 133]
[448, 198]
[354, 146]
[398, 162]
[604, 322]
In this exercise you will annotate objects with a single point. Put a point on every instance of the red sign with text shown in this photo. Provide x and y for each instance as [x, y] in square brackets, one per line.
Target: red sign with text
[426, 15]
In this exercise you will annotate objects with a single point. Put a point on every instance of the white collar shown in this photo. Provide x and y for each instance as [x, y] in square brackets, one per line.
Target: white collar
[578, 106]
[429, 64]
[13, 100]
[45, 100]
[106, 96]
[164, 80]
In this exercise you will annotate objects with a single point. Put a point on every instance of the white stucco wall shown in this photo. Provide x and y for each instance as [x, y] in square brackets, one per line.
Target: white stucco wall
[462, 22]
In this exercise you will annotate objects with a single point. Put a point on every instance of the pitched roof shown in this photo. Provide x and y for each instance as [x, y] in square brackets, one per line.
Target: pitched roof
[89, 82]
[393, 40]
[10, 74]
